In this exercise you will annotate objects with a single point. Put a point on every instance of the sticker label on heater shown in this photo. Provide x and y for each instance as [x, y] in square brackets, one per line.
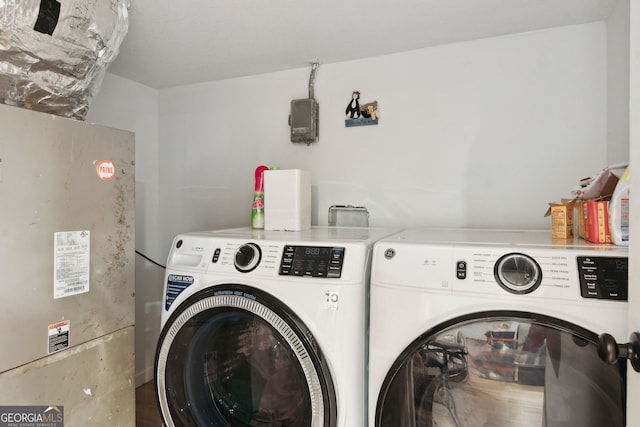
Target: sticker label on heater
[71, 263]
[59, 336]
[176, 283]
[106, 170]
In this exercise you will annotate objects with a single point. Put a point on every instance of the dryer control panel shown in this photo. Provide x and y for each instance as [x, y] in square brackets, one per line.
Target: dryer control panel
[603, 277]
[312, 261]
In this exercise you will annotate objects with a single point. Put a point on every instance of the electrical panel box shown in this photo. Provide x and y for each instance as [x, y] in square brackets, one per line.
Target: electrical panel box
[304, 120]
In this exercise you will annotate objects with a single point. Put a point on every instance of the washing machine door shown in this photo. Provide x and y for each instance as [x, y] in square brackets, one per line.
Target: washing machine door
[235, 356]
[503, 369]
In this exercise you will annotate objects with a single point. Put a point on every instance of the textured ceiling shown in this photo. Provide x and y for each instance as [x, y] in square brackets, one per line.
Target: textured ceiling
[172, 43]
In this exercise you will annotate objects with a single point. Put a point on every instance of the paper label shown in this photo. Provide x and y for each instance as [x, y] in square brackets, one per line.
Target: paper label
[59, 336]
[71, 263]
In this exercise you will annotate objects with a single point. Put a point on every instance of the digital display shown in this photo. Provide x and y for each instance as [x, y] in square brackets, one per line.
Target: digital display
[312, 261]
[304, 252]
[312, 251]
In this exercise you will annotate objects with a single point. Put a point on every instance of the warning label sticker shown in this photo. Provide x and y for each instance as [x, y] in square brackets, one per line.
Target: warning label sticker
[106, 170]
[71, 263]
[59, 336]
[176, 283]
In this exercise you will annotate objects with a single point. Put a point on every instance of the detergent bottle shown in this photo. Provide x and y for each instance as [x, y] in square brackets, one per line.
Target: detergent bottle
[619, 211]
[257, 211]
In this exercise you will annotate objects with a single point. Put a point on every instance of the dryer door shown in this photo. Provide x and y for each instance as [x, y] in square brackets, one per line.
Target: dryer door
[503, 369]
[234, 356]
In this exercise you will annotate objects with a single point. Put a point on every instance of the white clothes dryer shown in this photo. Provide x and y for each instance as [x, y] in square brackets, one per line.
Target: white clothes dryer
[495, 328]
[265, 328]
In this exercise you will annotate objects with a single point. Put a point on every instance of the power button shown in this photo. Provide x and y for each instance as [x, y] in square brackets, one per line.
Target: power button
[461, 270]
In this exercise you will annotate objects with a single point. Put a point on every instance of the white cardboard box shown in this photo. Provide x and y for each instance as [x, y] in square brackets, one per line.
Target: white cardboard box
[287, 200]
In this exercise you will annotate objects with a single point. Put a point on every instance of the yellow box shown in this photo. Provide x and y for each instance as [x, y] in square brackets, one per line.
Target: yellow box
[561, 219]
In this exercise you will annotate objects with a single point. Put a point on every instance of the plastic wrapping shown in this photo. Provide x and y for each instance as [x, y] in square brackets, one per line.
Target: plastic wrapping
[53, 55]
[597, 187]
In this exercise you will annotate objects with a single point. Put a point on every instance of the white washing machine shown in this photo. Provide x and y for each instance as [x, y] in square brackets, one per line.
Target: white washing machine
[264, 328]
[495, 328]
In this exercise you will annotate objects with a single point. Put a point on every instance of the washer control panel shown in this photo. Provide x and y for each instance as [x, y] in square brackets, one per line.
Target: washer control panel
[312, 261]
[603, 277]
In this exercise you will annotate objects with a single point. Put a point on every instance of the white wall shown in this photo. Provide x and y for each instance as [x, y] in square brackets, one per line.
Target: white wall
[481, 133]
[127, 105]
[618, 84]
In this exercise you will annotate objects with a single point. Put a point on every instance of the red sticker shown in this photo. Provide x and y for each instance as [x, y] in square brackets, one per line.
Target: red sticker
[106, 170]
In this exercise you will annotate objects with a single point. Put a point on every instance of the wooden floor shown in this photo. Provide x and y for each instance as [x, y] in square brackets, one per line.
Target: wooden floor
[147, 413]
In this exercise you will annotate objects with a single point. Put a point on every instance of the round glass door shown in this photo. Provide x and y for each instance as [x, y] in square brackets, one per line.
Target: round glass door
[503, 370]
[232, 356]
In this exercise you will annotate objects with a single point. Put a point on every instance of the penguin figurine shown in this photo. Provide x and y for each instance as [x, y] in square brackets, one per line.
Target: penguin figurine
[353, 109]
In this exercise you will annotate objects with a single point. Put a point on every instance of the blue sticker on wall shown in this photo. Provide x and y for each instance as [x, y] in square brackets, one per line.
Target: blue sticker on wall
[176, 283]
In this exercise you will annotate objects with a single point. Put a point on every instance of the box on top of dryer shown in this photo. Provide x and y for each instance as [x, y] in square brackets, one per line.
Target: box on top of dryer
[586, 215]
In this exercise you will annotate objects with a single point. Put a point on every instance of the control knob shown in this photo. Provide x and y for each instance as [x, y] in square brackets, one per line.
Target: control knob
[247, 257]
[518, 273]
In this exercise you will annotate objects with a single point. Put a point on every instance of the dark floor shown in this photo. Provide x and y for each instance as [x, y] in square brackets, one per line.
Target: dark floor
[147, 413]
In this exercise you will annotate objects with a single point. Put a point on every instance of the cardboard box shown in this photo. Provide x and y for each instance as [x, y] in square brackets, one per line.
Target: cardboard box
[578, 218]
[589, 217]
[561, 219]
[595, 213]
[596, 221]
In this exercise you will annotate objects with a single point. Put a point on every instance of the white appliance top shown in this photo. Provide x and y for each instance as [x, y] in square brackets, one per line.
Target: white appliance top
[326, 253]
[367, 235]
[495, 262]
[495, 237]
